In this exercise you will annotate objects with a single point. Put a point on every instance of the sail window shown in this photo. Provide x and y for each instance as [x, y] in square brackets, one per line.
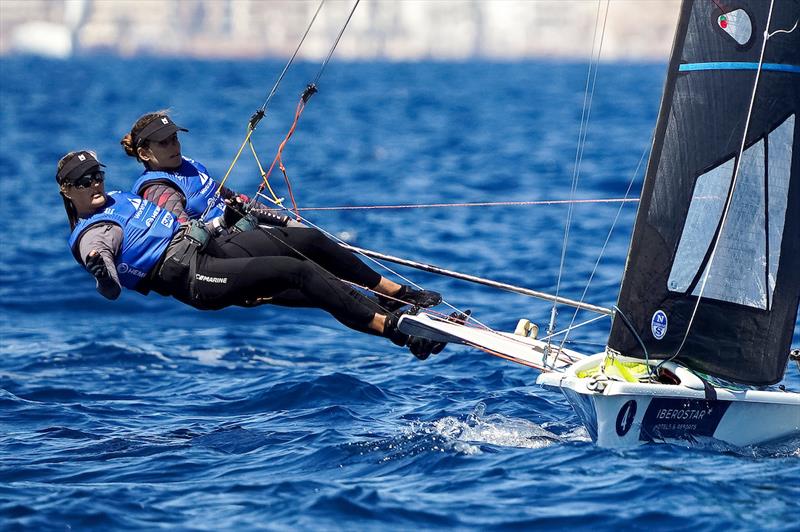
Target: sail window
[745, 264]
[780, 170]
[705, 211]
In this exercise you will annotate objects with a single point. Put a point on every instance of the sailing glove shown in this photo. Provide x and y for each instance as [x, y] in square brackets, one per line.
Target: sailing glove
[234, 211]
[97, 266]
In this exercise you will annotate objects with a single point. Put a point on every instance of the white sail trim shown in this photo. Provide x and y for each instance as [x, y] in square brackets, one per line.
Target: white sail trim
[746, 262]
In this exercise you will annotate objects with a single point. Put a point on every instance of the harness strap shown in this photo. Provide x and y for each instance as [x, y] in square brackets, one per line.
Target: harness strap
[180, 263]
[193, 260]
[197, 234]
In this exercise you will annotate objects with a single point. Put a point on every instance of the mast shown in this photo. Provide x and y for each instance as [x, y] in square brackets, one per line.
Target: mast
[712, 278]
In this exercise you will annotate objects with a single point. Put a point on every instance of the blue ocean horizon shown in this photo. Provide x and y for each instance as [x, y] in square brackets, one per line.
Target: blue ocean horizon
[143, 413]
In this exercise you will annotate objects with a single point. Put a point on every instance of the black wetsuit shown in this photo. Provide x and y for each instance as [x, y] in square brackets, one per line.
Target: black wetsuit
[290, 266]
[296, 241]
[302, 244]
[228, 273]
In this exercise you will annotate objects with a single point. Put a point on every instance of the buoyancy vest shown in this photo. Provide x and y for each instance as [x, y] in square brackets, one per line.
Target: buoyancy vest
[147, 230]
[194, 183]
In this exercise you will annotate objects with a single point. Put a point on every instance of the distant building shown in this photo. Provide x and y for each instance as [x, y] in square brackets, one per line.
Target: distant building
[385, 29]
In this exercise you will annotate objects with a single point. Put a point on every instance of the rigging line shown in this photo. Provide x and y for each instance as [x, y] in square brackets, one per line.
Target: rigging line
[729, 200]
[552, 323]
[261, 112]
[372, 255]
[309, 91]
[279, 156]
[468, 204]
[368, 256]
[263, 107]
[474, 279]
[716, 3]
[610, 231]
[261, 173]
[790, 30]
[588, 94]
[568, 329]
[470, 318]
[335, 43]
[309, 259]
[636, 335]
[375, 261]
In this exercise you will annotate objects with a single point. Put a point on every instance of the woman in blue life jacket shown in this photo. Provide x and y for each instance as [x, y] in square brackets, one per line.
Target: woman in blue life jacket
[183, 186]
[126, 241]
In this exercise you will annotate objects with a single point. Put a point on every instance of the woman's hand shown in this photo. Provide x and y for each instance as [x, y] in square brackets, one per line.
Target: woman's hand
[234, 210]
[97, 266]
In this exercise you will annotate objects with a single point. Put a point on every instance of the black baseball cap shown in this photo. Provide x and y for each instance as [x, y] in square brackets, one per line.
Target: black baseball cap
[158, 129]
[80, 164]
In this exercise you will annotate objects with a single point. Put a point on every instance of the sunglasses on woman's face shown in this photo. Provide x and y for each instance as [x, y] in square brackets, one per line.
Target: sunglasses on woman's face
[89, 180]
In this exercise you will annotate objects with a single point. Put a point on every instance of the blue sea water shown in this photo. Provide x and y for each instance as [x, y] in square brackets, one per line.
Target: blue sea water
[143, 413]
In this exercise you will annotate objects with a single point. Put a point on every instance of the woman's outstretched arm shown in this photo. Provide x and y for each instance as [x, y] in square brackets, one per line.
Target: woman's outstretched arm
[103, 240]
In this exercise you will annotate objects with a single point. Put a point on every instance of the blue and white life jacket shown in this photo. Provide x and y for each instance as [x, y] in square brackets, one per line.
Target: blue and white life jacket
[147, 231]
[194, 183]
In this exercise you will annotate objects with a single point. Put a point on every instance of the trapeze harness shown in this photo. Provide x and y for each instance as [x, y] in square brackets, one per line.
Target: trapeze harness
[148, 233]
[192, 179]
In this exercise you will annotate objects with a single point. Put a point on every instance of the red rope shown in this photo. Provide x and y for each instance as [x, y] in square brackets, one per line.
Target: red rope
[279, 159]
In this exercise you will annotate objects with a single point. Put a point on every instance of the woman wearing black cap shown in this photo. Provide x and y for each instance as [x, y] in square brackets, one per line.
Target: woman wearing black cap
[124, 240]
[183, 186]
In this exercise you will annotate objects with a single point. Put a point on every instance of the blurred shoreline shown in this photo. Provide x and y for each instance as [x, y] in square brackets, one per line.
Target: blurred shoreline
[406, 30]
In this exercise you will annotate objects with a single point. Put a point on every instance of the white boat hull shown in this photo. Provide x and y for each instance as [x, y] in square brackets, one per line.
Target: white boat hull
[626, 414]
[619, 413]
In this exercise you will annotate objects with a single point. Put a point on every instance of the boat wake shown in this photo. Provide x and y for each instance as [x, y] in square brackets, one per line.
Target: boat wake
[473, 435]
[496, 430]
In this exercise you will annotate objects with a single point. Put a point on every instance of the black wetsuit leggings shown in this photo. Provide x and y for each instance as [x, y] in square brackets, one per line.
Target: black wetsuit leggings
[258, 266]
[300, 243]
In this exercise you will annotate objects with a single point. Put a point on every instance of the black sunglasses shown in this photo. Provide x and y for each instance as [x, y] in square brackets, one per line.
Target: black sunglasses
[89, 180]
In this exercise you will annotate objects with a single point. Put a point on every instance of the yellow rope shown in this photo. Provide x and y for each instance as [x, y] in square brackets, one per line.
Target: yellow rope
[235, 159]
[247, 141]
[264, 174]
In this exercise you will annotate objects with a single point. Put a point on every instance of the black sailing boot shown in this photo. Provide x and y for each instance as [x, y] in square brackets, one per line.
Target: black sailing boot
[408, 295]
[391, 331]
[421, 348]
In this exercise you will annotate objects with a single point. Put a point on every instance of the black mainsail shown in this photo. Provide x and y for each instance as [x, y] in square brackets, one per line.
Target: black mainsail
[721, 298]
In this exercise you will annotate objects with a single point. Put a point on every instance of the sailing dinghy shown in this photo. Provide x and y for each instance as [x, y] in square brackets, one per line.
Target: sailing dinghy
[703, 325]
